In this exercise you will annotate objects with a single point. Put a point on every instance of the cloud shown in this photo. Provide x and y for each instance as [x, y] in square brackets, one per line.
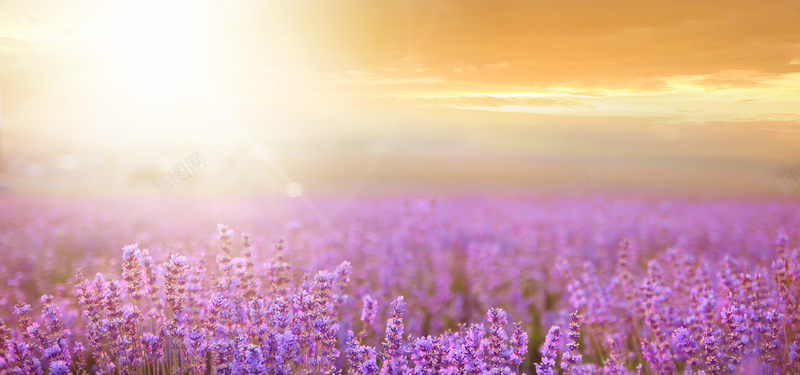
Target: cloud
[501, 65]
[353, 77]
[782, 130]
[509, 103]
[622, 43]
[619, 44]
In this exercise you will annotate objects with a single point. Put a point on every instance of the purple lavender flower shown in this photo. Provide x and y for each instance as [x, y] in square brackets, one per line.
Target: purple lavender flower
[519, 345]
[428, 355]
[342, 274]
[396, 362]
[369, 311]
[710, 344]
[21, 309]
[175, 277]
[571, 358]
[59, 368]
[5, 338]
[474, 347]
[613, 365]
[370, 364]
[682, 338]
[132, 271]
[549, 351]
[224, 259]
[497, 349]
[794, 355]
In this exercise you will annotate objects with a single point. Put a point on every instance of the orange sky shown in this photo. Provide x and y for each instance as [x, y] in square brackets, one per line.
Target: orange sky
[698, 82]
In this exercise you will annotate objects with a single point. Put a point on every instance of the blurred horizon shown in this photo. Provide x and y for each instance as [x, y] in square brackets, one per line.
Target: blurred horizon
[694, 99]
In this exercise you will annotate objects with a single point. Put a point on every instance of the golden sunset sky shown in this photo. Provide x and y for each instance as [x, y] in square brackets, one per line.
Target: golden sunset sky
[691, 95]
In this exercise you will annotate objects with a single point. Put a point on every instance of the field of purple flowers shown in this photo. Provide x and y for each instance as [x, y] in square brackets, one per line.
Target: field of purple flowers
[381, 286]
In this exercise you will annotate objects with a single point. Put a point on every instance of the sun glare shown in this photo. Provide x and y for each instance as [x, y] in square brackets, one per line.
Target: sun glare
[148, 59]
[149, 40]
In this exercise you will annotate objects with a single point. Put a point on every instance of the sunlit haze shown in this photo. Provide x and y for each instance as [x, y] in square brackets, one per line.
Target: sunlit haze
[694, 97]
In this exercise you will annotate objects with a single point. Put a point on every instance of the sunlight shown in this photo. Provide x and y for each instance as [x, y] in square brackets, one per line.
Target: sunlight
[149, 40]
[147, 61]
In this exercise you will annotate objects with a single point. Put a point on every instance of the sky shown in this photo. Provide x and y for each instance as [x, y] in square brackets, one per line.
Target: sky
[699, 96]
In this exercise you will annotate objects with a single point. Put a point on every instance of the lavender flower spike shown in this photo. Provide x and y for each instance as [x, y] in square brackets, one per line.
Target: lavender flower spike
[519, 345]
[571, 358]
[549, 351]
[369, 311]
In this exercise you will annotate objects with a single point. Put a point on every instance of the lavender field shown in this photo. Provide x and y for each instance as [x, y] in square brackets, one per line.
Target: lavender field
[406, 286]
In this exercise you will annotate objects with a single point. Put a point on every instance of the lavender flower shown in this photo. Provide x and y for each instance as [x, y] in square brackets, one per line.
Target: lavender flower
[175, 276]
[132, 271]
[571, 358]
[396, 362]
[519, 345]
[59, 368]
[497, 349]
[685, 344]
[613, 365]
[710, 344]
[369, 311]
[794, 355]
[549, 352]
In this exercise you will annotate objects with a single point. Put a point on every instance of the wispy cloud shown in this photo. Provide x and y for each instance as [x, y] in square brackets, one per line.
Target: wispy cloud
[354, 77]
